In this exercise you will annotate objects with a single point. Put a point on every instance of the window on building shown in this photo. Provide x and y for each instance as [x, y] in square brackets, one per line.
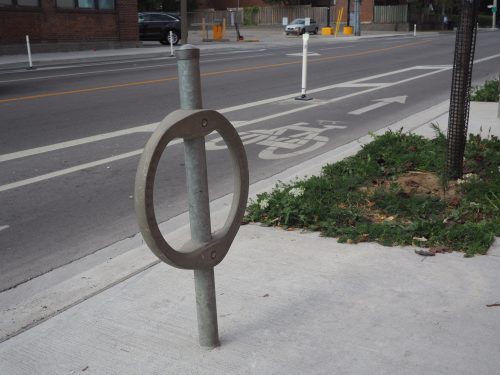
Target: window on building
[27, 3]
[83, 4]
[19, 3]
[86, 4]
[65, 3]
[106, 4]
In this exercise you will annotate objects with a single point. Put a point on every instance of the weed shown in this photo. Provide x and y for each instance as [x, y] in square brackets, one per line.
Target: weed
[486, 93]
[376, 195]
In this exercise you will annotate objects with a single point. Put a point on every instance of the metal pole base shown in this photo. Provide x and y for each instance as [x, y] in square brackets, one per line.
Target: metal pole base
[303, 97]
[206, 308]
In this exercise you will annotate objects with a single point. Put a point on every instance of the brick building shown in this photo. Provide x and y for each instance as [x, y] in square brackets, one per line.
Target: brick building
[67, 24]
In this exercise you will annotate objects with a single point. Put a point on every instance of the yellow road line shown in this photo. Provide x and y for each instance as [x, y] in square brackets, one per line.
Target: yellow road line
[208, 74]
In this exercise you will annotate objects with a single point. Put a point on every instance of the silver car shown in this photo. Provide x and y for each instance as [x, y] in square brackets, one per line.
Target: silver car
[298, 27]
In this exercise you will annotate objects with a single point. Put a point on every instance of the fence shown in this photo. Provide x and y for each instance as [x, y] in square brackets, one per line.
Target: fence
[274, 15]
[390, 14]
[214, 16]
[259, 15]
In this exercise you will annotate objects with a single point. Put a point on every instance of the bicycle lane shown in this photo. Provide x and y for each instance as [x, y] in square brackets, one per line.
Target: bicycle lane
[287, 128]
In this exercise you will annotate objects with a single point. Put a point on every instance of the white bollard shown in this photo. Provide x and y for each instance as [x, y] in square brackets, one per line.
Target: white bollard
[30, 62]
[171, 44]
[303, 96]
[415, 29]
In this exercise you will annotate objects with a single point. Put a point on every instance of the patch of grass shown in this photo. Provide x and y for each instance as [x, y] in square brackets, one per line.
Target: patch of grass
[486, 93]
[367, 198]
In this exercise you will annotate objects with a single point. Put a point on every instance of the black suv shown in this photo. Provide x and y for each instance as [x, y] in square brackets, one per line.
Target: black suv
[157, 26]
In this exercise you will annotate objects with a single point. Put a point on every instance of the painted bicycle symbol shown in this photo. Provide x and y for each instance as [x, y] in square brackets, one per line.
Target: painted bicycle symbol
[283, 142]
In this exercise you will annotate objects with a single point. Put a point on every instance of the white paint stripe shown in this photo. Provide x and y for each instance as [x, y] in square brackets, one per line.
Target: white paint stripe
[118, 62]
[431, 67]
[487, 58]
[330, 48]
[77, 168]
[369, 108]
[244, 123]
[299, 54]
[347, 85]
[68, 170]
[77, 142]
[319, 89]
[143, 67]
[313, 105]
[86, 73]
[237, 125]
[3, 227]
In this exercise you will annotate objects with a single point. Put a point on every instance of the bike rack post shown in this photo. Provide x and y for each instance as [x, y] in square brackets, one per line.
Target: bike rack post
[197, 184]
[205, 250]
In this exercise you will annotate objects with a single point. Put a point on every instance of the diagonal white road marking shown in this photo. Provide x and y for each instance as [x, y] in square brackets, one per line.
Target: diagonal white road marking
[58, 146]
[150, 127]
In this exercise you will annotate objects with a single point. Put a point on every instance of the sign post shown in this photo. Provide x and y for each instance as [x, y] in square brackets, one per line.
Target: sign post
[493, 8]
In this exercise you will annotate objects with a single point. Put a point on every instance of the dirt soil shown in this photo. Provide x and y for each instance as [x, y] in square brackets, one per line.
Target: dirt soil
[427, 183]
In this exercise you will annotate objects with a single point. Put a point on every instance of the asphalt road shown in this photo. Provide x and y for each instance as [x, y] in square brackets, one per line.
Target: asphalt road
[72, 134]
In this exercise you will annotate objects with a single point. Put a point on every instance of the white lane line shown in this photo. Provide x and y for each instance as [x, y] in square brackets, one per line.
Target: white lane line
[86, 73]
[246, 123]
[331, 48]
[143, 67]
[319, 89]
[351, 85]
[76, 168]
[299, 54]
[237, 125]
[431, 67]
[58, 146]
[2, 227]
[317, 104]
[487, 58]
[118, 62]
[151, 127]
[68, 170]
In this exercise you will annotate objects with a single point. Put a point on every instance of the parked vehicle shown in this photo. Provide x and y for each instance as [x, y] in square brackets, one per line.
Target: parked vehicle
[157, 26]
[298, 26]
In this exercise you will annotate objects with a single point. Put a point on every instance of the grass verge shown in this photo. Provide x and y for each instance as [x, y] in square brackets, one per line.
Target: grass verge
[392, 193]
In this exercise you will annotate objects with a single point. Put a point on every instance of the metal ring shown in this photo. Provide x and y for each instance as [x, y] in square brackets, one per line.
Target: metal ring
[190, 124]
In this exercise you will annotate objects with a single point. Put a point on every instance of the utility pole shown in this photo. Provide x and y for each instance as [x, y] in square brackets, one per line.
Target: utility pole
[184, 22]
[348, 13]
[494, 15]
[357, 21]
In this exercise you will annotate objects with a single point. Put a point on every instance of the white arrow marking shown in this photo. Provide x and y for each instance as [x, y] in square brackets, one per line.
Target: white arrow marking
[2, 227]
[380, 103]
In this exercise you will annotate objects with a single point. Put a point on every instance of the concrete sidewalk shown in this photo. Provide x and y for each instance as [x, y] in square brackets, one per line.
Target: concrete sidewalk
[288, 303]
